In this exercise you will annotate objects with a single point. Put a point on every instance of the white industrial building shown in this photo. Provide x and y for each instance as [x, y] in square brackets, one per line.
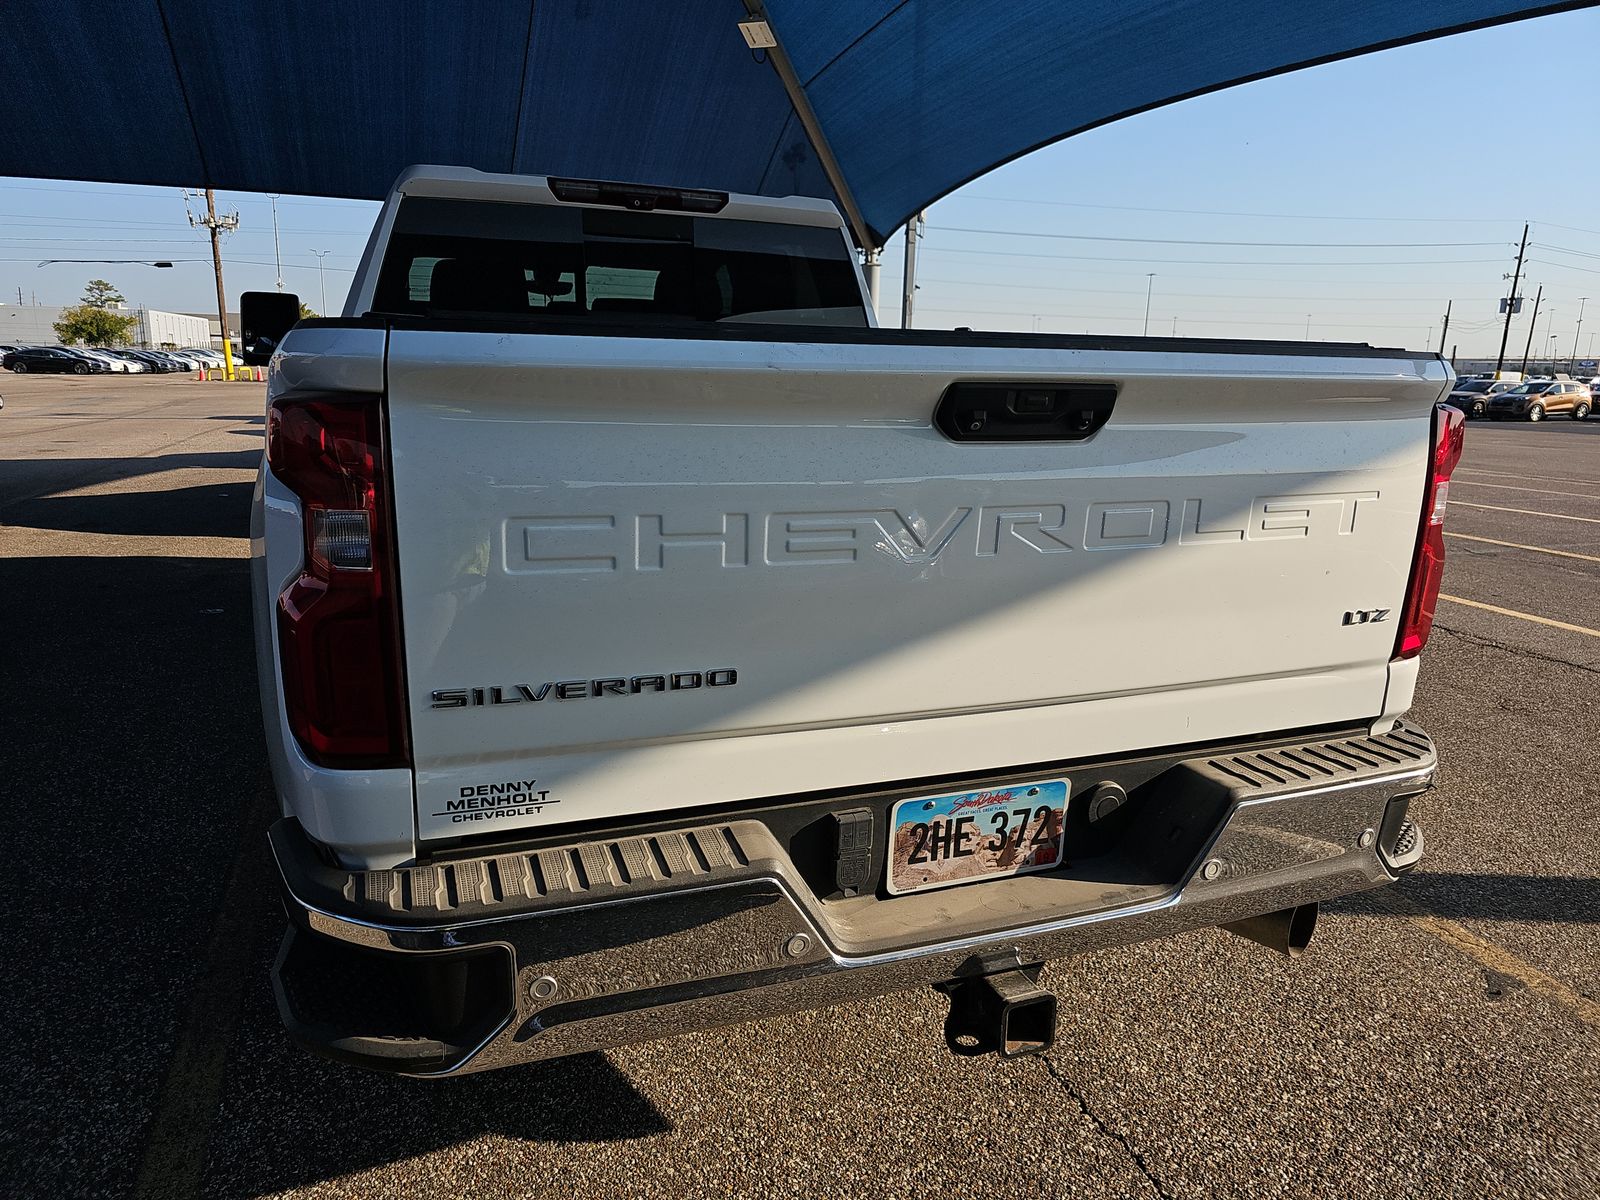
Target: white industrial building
[33, 325]
[171, 331]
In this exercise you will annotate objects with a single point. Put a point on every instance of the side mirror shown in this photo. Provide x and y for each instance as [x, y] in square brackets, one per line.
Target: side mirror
[264, 318]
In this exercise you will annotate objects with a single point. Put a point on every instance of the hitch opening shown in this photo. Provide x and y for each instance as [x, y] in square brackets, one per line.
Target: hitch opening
[1006, 1013]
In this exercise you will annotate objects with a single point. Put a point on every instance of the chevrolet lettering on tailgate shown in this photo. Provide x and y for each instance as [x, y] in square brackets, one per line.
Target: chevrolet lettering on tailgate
[561, 545]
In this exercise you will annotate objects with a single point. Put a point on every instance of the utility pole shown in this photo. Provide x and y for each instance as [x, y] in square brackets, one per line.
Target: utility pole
[1572, 362]
[1445, 336]
[322, 282]
[908, 296]
[217, 226]
[1452, 356]
[1528, 349]
[870, 269]
[1149, 290]
[277, 253]
[1308, 327]
[1511, 301]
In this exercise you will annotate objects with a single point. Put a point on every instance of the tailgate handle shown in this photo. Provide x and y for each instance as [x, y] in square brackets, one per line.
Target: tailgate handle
[1024, 412]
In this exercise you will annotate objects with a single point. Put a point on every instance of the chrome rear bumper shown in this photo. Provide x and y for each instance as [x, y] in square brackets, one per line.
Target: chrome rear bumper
[522, 956]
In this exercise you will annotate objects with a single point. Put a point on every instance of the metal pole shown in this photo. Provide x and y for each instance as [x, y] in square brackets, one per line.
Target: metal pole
[1511, 301]
[277, 252]
[1528, 349]
[870, 269]
[1149, 290]
[322, 281]
[1572, 362]
[807, 116]
[1308, 327]
[908, 297]
[222, 296]
[1445, 336]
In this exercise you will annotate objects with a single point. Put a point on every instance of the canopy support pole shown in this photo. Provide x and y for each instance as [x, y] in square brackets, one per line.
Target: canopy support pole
[808, 121]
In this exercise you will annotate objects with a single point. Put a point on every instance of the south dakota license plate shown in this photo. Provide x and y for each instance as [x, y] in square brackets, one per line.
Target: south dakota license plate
[937, 841]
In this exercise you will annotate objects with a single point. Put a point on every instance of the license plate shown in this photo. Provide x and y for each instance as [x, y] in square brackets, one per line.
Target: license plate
[936, 841]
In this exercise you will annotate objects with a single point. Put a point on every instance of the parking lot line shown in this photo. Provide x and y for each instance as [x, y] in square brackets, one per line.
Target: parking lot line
[1522, 475]
[1522, 616]
[1467, 537]
[1527, 512]
[1510, 487]
[1496, 958]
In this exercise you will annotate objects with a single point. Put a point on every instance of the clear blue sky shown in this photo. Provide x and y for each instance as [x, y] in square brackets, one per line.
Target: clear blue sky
[1456, 141]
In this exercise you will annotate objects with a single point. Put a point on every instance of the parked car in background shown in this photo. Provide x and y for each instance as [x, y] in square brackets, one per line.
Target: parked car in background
[1539, 398]
[113, 363]
[52, 360]
[160, 361]
[1471, 396]
[117, 360]
[136, 365]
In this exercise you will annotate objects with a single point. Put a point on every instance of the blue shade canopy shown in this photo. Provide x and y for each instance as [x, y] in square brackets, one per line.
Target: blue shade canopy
[912, 97]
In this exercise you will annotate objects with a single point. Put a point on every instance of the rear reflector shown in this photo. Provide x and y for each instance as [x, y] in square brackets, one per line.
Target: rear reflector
[1427, 565]
[338, 621]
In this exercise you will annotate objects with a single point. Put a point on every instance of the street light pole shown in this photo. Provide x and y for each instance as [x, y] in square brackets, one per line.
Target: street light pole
[1532, 324]
[1577, 333]
[1149, 290]
[322, 281]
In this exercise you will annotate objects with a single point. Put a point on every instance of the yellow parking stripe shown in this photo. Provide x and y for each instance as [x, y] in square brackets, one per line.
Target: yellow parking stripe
[1511, 487]
[1494, 957]
[1527, 512]
[1467, 537]
[1521, 616]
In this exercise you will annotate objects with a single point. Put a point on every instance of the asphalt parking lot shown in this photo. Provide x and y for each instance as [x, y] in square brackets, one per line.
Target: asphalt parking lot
[1439, 1039]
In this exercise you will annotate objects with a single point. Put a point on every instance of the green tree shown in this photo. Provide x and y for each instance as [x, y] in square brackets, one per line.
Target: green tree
[306, 312]
[100, 294]
[94, 326]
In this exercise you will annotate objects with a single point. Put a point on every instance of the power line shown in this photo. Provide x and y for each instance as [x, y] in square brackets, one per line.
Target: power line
[1215, 262]
[1100, 237]
[1208, 212]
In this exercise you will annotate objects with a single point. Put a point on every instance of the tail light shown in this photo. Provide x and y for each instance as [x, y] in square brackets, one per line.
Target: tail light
[339, 620]
[1427, 565]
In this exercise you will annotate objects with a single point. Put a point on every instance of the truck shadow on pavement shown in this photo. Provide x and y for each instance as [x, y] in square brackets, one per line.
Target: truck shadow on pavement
[137, 791]
[1557, 899]
[203, 510]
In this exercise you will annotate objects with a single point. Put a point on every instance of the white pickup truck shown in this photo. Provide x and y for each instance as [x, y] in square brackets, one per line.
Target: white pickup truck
[649, 642]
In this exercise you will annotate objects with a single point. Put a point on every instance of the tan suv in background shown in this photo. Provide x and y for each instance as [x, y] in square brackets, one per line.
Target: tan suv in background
[1539, 398]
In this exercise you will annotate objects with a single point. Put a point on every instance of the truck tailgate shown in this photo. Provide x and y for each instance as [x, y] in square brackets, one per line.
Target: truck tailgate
[643, 574]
